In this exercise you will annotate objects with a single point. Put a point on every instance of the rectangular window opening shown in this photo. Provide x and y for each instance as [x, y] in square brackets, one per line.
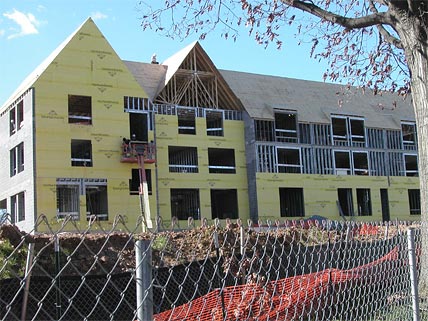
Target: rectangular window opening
[67, 199]
[185, 203]
[183, 159]
[286, 127]
[79, 109]
[214, 121]
[17, 203]
[342, 163]
[291, 202]
[224, 203]
[411, 165]
[345, 201]
[408, 132]
[96, 201]
[289, 160]
[361, 164]
[364, 202]
[186, 120]
[17, 159]
[221, 161]
[138, 127]
[414, 201]
[3, 212]
[81, 153]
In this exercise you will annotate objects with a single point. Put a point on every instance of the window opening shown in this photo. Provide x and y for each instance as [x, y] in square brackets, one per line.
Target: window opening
[96, 201]
[3, 211]
[185, 203]
[291, 202]
[183, 159]
[288, 160]
[358, 137]
[186, 120]
[224, 203]
[414, 201]
[81, 153]
[221, 161]
[17, 203]
[342, 163]
[361, 163]
[364, 202]
[214, 121]
[79, 110]
[345, 201]
[348, 131]
[138, 127]
[411, 165]
[134, 182]
[17, 159]
[67, 199]
[408, 131]
[16, 118]
[286, 127]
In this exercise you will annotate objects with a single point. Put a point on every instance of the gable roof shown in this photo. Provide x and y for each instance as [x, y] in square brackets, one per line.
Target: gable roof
[316, 101]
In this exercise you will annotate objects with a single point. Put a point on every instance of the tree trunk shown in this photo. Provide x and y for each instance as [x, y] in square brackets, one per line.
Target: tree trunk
[415, 47]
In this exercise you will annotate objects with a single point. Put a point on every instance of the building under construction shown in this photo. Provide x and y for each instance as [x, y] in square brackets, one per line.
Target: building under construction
[89, 135]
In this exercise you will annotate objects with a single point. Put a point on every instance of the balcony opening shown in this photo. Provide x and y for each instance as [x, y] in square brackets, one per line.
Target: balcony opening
[289, 160]
[339, 130]
[357, 131]
[186, 120]
[414, 201]
[138, 127]
[224, 203]
[81, 153]
[79, 110]
[411, 164]
[345, 201]
[183, 159]
[185, 203]
[221, 161]
[291, 202]
[96, 201]
[361, 164]
[286, 127]
[214, 121]
[364, 202]
[342, 163]
[67, 199]
[134, 182]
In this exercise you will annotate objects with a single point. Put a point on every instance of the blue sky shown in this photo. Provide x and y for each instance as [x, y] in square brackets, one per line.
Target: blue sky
[30, 30]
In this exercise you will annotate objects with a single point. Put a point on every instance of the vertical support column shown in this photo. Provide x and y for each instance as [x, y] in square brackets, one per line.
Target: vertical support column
[413, 273]
[143, 271]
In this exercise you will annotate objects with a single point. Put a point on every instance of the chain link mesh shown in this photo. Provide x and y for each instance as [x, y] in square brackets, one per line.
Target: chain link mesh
[293, 270]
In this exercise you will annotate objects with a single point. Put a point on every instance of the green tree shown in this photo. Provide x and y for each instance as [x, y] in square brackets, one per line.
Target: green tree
[376, 44]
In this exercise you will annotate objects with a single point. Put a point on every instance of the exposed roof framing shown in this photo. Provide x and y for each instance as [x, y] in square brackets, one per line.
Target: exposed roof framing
[196, 82]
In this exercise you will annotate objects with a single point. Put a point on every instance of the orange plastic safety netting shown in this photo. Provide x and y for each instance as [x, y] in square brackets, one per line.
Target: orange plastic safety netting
[284, 299]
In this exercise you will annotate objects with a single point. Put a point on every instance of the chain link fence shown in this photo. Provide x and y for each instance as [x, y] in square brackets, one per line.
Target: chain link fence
[291, 270]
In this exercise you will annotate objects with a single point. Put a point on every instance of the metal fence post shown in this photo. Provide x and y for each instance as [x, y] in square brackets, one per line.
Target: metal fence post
[28, 269]
[413, 273]
[143, 270]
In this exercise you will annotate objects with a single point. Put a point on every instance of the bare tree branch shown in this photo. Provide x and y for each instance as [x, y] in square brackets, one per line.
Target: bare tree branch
[387, 36]
[350, 23]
